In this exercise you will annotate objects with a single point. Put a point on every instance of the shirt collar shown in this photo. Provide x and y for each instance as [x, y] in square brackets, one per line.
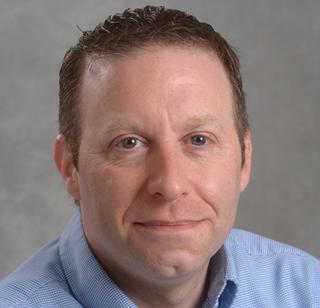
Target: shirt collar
[226, 292]
[231, 258]
[222, 278]
[88, 281]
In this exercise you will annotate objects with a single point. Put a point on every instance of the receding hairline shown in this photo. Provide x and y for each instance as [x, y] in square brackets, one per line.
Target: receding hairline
[148, 46]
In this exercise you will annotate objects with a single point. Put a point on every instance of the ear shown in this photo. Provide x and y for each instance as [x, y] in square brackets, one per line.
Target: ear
[64, 163]
[246, 167]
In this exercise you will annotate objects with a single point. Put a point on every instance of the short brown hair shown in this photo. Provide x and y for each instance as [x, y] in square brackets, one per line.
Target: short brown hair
[128, 31]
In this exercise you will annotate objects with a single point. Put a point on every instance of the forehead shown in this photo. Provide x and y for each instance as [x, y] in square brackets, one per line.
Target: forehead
[155, 79]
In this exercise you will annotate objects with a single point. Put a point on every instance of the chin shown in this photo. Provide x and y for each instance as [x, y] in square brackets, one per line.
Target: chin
[174, 265]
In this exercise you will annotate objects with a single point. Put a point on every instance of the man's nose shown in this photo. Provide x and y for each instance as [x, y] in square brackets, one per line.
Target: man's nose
[168, 176]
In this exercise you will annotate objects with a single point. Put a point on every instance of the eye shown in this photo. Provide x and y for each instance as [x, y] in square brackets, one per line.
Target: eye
[199, 140]
[129, 143]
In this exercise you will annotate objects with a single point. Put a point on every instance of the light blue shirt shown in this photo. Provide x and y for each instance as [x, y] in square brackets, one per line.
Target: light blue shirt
[256, 272]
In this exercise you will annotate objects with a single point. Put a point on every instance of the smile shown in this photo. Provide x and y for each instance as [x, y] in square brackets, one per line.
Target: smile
[168, 226]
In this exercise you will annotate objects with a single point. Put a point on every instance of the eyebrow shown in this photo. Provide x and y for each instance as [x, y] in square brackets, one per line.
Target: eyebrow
[120, 124]
[123, 125]
[199, 121]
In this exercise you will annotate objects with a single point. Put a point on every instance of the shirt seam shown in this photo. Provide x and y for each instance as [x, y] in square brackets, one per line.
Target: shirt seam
[272, 253]
[8, 301]
[28, 297]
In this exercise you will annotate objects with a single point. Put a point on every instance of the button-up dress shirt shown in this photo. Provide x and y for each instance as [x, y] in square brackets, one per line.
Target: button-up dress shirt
[248, 271]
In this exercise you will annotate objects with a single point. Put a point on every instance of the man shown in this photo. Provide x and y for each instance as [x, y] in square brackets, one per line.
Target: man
[155, 148]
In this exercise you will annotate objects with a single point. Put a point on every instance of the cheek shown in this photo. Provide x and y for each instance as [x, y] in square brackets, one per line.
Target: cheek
[219, 186]
[106, 197]
[109, 192]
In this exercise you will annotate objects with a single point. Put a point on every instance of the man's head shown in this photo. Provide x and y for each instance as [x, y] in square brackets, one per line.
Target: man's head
[134, 29]
[159, 163]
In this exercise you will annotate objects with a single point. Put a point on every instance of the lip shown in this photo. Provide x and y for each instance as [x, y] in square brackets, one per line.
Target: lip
[168, 226]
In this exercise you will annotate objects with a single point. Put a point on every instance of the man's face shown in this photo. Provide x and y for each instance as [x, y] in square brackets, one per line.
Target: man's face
[159, 171]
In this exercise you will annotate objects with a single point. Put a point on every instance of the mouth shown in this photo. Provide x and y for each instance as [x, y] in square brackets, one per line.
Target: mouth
[168, 226]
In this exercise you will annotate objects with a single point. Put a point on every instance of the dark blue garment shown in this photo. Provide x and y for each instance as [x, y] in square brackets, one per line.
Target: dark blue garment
[257, 272]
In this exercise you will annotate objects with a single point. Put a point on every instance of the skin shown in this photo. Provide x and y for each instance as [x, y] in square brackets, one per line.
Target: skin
[159, 174]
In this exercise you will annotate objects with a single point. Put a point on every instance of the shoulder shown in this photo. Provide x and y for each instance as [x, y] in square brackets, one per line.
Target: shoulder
[256, 245]
[41, 277]
[272, 271]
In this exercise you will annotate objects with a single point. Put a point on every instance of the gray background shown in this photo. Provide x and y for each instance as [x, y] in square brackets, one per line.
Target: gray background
[278, 42]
